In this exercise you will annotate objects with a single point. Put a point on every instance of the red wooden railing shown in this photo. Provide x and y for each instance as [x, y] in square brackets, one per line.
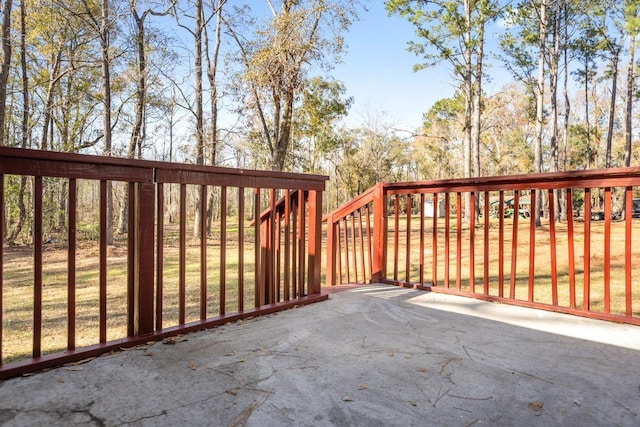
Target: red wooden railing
[278, 257]
[415, 234]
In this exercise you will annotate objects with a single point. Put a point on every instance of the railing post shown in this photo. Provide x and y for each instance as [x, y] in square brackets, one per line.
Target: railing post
[379, 233]
[144, 218]
[315, 241]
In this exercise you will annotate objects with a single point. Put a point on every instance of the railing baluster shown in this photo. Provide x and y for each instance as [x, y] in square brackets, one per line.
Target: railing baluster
[607, 250]
[369, 242]
[182, 256]
[447, 224]
[240, 249]
[354, 246]
[396, 205]
[301, 242]
[472, 243]
[486, 243]
[71, 266]
[501, 244]
[552, 241]
[586, 289]
[131, 260]
[514, 244]
[434, 241]
[459, 241]
[532, 244]
[278, 254]
[271, 249]
[103, 261]
[346, 251]
[361, 238]
[628, 218]
[421, 260]
[223, 251]
[258, 278]
[203, 252]
[294, 248]
[571, 249]
[287, 245]
[37, 268]
[302, 215]
[159, 255]
[407, 266]
[338, 239]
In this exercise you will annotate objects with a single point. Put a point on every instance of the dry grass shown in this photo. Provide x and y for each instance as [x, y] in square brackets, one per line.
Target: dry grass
[18, 290]
[542, 257]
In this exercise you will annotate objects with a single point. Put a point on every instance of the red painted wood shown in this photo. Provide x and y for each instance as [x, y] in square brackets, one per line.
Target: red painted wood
[132, 250]
[407, 267]
[421, 260]
[314, 251]
[434, 242]
[472, 243]
[607, 249]
[627, 251]
[354, 247]
[223, 251]
[203, 251]
[241, 239]
[71, 266]
[447, 229]
[485, 255]
[347, 264]
[287, 246]
[160, 255]
[571, 250]
[361, 241]
[552, 242]
[501, 244]
[532, 244]
[37, 268]
[396, 232]
[103, 262]
[514, 245]
[302, 225]
[182, 256]
[145, 284]
[586, 290]
[369, 242]
[459, 240]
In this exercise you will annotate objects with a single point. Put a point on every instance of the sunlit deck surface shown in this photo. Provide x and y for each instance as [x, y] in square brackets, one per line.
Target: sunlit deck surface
[373, 355]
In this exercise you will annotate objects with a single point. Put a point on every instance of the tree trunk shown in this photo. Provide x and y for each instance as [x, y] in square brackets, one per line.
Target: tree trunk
[567, 108]
[212, 69]
[468, 108]
[628, 129]
[537, 163]
[612, 108]
[198, 108]
[5, 67]
[104, 32]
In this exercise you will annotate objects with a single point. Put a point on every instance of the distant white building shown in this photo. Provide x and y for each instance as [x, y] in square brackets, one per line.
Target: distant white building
[429, 211]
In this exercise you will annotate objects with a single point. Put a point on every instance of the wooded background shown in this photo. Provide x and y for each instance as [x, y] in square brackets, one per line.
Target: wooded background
[248, 84]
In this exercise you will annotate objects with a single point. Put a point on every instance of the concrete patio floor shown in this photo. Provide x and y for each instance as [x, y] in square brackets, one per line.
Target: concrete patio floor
[374, 355]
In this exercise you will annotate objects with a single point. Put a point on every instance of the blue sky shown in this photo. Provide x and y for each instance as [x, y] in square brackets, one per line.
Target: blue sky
[378, 71]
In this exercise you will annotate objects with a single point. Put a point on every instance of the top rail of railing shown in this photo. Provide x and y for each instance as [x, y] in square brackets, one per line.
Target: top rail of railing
[20, 161]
